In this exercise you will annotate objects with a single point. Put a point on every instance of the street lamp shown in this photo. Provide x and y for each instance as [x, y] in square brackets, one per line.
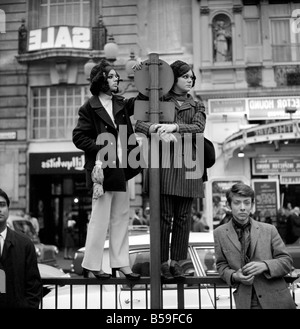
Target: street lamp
[111, 49]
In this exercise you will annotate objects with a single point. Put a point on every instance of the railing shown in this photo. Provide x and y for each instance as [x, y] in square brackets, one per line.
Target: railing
[120, 293]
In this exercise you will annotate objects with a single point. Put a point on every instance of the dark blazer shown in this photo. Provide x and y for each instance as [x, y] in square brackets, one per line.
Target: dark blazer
[266, 246]
[23, 281]
[191, 119]
[95, 123]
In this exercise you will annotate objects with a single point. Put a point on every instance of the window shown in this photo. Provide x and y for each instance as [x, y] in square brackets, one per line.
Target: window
[54, 111]
[286, 45]
[64, 12]
[252, 32]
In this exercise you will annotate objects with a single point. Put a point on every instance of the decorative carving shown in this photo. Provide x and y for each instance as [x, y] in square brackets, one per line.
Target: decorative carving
[237, 9]
[204, 10]
[254, 76]
[287, 75]
[221, 27]
[22, 38]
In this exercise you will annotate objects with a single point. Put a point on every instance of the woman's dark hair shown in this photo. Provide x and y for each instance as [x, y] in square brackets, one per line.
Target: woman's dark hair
[240, 189]
[4, 195]
[98, 77]
[179, 69]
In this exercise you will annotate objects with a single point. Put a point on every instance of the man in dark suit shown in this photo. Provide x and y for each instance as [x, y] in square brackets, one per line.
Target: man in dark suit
[18, 265]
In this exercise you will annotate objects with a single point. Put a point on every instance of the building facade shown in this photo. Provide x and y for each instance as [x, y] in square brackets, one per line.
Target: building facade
[246, 57]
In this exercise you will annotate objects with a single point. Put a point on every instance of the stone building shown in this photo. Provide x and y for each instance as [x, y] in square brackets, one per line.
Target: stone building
[246, 57]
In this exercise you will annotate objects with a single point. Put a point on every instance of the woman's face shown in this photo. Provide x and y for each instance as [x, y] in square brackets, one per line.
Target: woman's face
[113, 80]
[184, 83]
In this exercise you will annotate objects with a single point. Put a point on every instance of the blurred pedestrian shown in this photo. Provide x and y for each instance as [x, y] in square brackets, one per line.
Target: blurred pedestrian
[199, 225]
[105, 117]
[69, 236]
[251, 256]
[293, 226]
[18, 262]
[177, 186]
[29, 216]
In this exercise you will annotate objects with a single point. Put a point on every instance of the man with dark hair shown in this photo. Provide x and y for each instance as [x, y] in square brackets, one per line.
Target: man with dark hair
[251, 256]
[18, 265]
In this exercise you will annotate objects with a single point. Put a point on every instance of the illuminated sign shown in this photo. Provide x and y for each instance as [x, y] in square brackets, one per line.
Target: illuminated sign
[59, 37]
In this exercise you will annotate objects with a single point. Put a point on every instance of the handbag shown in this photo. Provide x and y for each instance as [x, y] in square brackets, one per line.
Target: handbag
[209, 153]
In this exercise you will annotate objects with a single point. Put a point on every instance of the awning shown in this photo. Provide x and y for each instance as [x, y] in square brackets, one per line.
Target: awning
[281, 130]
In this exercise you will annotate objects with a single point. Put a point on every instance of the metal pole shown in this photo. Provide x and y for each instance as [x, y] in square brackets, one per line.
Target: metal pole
[154, 186]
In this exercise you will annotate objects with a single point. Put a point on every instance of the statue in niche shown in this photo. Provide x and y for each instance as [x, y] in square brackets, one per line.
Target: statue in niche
[222, 41]
[22, 48]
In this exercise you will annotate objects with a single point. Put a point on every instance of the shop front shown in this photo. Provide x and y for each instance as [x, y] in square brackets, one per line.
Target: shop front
[57, 191]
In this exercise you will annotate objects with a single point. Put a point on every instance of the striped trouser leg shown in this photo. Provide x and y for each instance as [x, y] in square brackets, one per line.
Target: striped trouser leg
[166, 214]
[181, 227]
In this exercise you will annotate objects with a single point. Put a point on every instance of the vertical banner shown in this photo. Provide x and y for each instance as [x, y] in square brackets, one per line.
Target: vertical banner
[266, 198]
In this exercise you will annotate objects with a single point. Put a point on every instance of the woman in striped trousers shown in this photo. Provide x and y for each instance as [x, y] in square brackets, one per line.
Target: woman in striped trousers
[179, 183]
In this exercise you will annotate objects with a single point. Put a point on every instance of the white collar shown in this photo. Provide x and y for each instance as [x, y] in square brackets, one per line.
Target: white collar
[4, 233]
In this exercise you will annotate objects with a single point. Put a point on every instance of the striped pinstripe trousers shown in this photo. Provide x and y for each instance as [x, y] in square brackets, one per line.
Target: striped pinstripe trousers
[175, 216]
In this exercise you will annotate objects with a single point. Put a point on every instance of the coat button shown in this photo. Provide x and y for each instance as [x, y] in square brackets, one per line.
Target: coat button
[259, 296]
[111, 143]
[105, 127]
[114, 162]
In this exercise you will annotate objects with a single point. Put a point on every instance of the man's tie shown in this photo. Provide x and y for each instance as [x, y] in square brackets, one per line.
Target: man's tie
[1, 245]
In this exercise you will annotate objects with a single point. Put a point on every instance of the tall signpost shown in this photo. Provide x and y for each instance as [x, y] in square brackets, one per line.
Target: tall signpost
[154, 80]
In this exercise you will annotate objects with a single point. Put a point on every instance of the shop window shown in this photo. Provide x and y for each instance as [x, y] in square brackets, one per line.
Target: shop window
[64, 12]
[54, 111]
[222, 38]
[285, 44]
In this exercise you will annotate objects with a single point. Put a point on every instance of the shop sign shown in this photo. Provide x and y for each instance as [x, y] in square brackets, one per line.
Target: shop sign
[56, 163]
[289, 180]
[266, 197]
[269, 108]
[59, 37]
[268, 166]
[227, 106]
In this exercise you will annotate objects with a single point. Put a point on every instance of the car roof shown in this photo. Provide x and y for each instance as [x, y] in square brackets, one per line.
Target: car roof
[144, 239]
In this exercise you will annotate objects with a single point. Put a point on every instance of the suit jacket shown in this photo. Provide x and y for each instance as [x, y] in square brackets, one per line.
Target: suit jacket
[191, 118]
[95, 123]
[267, 246]
[23, 281]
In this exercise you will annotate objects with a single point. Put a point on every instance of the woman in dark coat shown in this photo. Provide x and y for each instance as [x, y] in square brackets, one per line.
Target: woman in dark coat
[179, 184]
[104, 129]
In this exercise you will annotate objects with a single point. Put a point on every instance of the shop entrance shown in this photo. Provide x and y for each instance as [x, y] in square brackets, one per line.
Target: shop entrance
[53, 199]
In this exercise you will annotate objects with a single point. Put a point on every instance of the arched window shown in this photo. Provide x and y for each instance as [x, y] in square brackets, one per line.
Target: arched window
[222, 38]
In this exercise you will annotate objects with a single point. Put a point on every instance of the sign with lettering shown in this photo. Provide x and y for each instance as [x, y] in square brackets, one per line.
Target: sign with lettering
[59, 37]
[256, 108]
[8, 135]
[227, 106]
[266, 197]
[278, 165]
[290, 179]
[56, 163]
[267, 108]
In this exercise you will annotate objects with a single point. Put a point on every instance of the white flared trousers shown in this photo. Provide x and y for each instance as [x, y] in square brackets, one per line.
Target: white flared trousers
[110, 214]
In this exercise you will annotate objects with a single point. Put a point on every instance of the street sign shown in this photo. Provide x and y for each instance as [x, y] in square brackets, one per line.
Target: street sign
[164, 84]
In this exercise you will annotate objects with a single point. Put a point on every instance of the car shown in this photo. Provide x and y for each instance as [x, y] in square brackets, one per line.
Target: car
[48, 271]
[46, 254]
[75, 266]
[200, 262]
